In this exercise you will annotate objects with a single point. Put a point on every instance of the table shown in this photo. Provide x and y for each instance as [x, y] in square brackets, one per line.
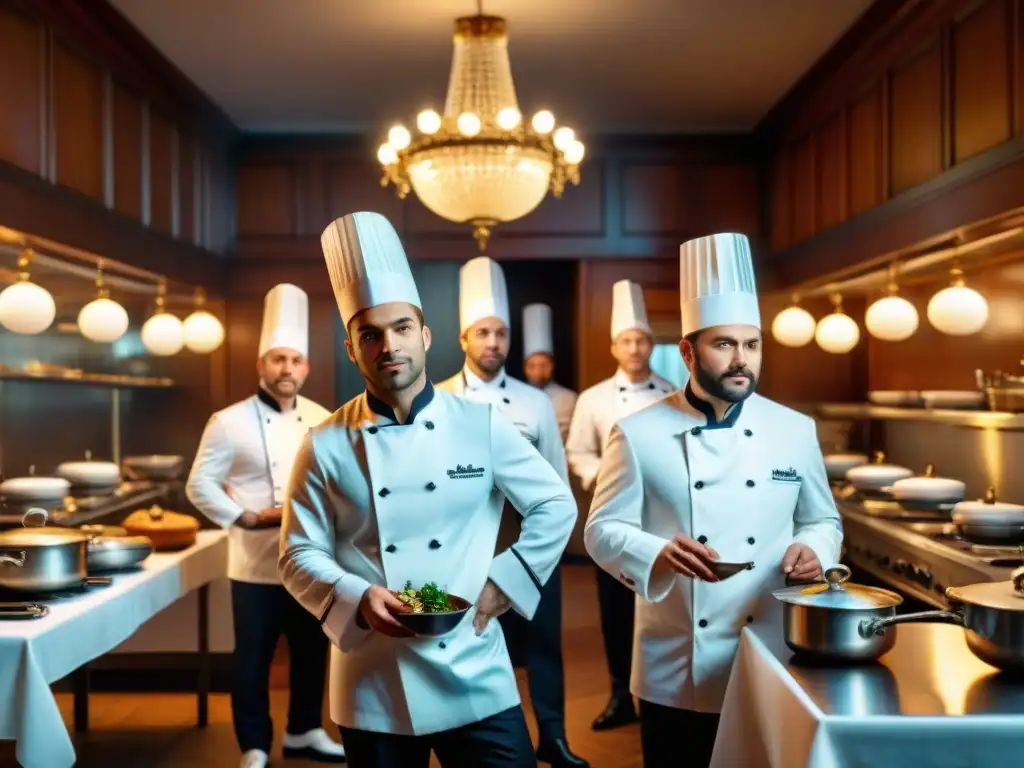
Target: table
[928, 702]
[35, 653]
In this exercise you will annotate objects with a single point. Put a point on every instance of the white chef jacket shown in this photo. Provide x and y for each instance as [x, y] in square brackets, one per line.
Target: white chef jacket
[748, 486]
[527, 407]
[242, 465]
[372, 501]
[598, 409]
[564, 401]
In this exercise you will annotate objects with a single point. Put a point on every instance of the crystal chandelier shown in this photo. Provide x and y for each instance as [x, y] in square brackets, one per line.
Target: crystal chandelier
[480, 163]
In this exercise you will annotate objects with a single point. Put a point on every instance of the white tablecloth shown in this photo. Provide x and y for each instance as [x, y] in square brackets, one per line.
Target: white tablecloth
[928, 703]
[37, 652]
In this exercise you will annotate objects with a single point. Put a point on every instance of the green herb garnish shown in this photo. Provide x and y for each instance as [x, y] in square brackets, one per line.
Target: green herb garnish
[430, 598]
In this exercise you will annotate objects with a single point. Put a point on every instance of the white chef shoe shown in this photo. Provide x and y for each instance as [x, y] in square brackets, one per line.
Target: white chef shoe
[255, 758]
[314, 745]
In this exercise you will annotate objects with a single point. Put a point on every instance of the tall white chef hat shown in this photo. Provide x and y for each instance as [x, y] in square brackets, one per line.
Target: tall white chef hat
[629, 313]
[482, 292]
[716, 283]
[537, 332]
[367, 264]
[285, 320]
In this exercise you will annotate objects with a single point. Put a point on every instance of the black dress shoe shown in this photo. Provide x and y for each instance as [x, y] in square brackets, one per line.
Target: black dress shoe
[556, 753]
[619, 712]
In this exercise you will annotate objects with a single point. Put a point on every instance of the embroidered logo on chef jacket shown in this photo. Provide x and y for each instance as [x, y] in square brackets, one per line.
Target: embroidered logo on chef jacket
[463, 472]
[786, 476]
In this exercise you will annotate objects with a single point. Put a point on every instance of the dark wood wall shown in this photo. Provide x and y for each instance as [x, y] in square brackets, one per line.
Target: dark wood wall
[638, 199]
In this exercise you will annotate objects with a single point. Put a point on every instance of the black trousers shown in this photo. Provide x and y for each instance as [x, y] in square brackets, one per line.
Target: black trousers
[499, 741]
[261, 613]
[617, 603]
[672, 737]
[537, 644]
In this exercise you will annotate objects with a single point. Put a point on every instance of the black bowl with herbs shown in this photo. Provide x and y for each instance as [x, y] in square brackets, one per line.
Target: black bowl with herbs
[433, 611]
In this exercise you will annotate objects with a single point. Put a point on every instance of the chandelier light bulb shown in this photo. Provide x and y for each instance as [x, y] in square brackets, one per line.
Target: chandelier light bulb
[837, 333]
[543, 122]
[103, 320]
[958, 310]
[574, 153]
[509, 118]
[563, 138]
[793, 327]
[892, 318]
[428, 122]
[163, 334]
[399, 137]
[468, 124]
[387, 155]
[26, 308]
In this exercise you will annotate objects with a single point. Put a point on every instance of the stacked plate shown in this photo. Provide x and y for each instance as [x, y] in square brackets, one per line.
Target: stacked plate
[838, 464]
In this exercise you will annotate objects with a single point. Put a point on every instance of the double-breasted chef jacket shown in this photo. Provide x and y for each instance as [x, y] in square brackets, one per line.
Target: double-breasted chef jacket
[528, 408]
[598, 409]
[373, 501]
[749, 486]
[242, 465]
[564, 401]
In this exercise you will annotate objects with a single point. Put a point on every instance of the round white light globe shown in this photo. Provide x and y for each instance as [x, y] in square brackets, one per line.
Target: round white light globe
[574, 154]
[891, 319]
[399, 137]
[386, 155]
[468, 124]
[203, 332]
[563, 138]
[26, 308]
[958, 311]
[508, 118]
[163, 334]
[428, 121]
[103, 321]
[543, 122]
[793, 327]
[837, 333]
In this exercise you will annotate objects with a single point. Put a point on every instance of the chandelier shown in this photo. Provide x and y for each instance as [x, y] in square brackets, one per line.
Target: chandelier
[480, 163]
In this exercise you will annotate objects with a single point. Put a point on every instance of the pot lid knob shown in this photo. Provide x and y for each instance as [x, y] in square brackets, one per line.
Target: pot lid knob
[88, 455]
[929, 470]
[155, 512]
[35, 518]
[879, 457]
[990, 495]
[836, 575]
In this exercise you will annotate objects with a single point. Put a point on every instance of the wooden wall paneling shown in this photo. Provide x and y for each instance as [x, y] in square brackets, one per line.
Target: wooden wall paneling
[804, 189]
[652, 199]
[77, 101]
[916, 124]
[354, 185]
[865, 152]
[1017, 64]
[982, 45]
[726, 199]
[267, 199]
[186, 175]
[161, 172]
[22, 91]
[128, 153]
[831, 167]
[781, 212]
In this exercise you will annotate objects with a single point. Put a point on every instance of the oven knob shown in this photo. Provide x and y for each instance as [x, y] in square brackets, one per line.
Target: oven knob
[883, 559]
[926, 577]
[900, 566]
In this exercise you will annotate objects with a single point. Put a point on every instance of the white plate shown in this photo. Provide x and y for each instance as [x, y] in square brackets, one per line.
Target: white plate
[952, 399]
[894, 398]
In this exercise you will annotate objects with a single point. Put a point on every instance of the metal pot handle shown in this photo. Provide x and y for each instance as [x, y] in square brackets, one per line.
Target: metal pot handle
[869, 627]
[35, 518]
[18, 561]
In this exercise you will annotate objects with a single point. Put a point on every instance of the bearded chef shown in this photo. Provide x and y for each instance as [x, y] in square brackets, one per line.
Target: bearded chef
[484, 324]
[539, 363]
[633, 386]
[238, 480]
[713, 471]
[404, 484]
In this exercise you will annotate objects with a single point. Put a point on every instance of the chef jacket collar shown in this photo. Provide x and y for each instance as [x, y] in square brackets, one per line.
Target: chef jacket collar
[268, 400]
[731, 415]
[421, 401]
[625, 385]
[472, 381]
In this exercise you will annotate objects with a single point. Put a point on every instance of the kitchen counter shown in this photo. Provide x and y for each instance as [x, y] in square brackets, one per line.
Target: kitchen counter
[929, 700]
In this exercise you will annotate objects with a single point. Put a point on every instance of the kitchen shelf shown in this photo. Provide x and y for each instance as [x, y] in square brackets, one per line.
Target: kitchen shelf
[92, 380]
[979, 419]
[99, 508]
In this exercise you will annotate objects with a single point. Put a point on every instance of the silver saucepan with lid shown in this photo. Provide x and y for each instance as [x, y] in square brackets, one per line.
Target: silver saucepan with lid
[876, 479]
[91, 477]
[989, 520]
[928, 492]
[838, 464]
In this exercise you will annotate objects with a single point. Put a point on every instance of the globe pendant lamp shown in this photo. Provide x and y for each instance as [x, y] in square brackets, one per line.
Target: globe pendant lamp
[892, 318]
[25, 307]
[203, 332]
[837, 333]
[958, 310]
[102, 320]
[793, 326]
[163, 334]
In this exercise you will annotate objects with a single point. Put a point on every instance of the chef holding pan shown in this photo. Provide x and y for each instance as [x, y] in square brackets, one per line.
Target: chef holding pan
[239, 480]
[713, 472]
[406, 483]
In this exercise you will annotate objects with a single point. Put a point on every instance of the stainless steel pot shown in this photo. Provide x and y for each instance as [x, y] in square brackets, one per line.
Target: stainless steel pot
[824, 620]
[31, 561]
[992, 615]
[155, 467]
[988, 520]
[108, 553]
